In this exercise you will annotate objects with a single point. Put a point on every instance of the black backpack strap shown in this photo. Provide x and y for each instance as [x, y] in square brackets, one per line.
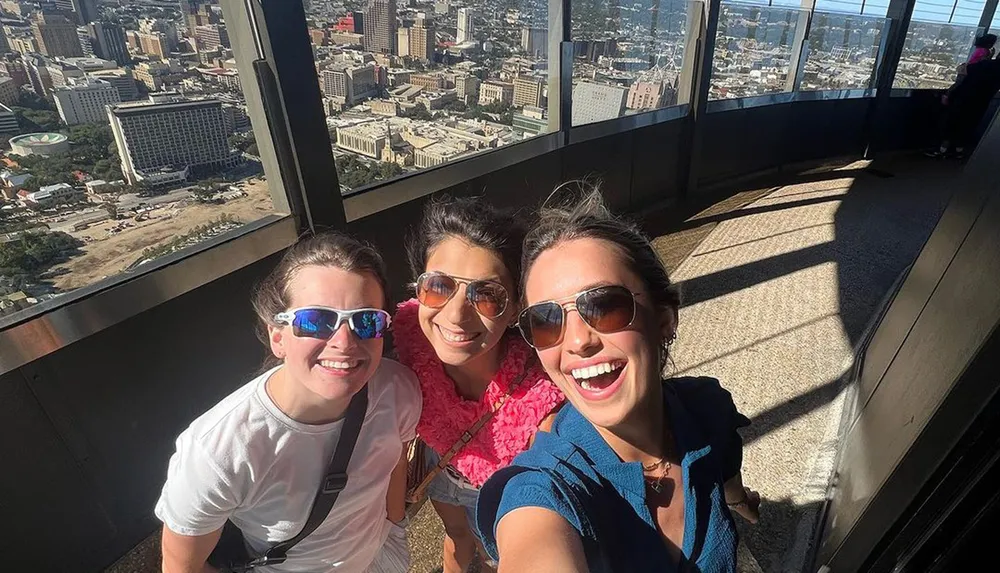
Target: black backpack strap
[333, 483]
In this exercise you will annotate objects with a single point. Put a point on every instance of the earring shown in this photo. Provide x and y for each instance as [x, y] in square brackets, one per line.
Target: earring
[673, 337]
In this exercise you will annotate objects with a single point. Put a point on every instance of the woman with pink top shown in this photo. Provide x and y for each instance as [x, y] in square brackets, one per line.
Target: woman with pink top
[484, 392]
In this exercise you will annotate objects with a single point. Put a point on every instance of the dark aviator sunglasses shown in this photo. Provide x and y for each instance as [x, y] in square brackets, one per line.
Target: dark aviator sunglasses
[606, 309]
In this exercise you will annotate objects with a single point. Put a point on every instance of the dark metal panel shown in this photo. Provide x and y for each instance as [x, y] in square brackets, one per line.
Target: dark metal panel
[966, 204]
[117, 400]
[745, 141]
[606, 160]
[914, 417]
[656, 164]
[52, 520]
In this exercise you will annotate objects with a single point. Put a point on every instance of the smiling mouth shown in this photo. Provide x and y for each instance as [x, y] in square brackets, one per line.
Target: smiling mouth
[598, 376]
[340, 365]
[456, 337]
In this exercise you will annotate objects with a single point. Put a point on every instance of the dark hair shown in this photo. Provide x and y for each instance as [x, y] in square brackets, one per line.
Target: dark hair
[986, 41]
[584, 215]
[327, 249]
[472, 220]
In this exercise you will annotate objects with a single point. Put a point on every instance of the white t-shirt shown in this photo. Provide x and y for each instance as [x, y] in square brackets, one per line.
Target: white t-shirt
[247, 461]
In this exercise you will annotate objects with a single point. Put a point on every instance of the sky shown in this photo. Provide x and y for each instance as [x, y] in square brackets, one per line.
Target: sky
[959, 12]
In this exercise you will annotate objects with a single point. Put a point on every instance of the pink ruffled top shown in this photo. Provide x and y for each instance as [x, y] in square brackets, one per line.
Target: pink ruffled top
[446, 415]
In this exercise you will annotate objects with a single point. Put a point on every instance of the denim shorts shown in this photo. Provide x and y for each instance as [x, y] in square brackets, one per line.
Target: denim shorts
[446, 488]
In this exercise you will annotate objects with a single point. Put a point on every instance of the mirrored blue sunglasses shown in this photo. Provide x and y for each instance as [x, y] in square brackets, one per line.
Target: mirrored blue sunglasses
[322, 322]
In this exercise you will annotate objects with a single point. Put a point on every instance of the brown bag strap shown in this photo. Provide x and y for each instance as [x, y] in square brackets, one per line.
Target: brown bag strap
[470, 433]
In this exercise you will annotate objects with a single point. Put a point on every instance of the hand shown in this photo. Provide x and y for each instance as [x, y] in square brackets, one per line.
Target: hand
[749, 507]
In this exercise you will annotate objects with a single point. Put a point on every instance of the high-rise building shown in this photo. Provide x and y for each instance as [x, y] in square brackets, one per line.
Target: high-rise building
[422, 40]
[108, 41]
[56, 35]
[83, 10]
[38, 74]
[154, 44]
[10, 92]
[467, 88]
[597, 102]
[211, 37]
[529, 90]
[380, 25]
[465, 25]
[495, 92]
[534, 41]
[85, 44]
[4, 44]
[84, 101]
[403, 42]
[442, 6]
[172, 134]
[12, 67]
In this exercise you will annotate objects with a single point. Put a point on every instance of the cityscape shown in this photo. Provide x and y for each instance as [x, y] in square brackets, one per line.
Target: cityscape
[126, 134]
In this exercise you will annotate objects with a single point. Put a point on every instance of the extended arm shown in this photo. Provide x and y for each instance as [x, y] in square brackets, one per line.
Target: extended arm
[538, 540]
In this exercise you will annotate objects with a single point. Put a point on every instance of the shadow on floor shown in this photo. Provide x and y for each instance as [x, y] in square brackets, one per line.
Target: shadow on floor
[880, 224]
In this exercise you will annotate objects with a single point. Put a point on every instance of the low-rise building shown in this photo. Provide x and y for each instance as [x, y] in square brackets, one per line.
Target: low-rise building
[52, 195]
[496, 92]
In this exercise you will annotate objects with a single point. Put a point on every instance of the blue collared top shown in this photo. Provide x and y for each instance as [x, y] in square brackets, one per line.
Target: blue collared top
[572, 471]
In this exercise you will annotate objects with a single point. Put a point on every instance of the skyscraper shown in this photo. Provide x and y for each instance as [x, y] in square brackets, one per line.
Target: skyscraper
[380, 26]
[56, 35]
[212, 36]
[465, 26]
[108, 41]
[422, 40]
[4, 44]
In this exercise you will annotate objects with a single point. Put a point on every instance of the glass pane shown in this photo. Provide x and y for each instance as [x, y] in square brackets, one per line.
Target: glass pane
[628, 59]
[143, 149]
[753, 50]
[932, 54]
[939, 41]
[842, 51]
[408, 87]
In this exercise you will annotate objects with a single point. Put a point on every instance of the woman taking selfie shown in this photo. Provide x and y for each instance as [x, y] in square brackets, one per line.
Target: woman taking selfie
[260, 465]
[638, 473]
[485, 395]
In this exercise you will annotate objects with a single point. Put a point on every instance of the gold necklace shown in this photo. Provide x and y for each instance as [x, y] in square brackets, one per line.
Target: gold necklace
[657, 484]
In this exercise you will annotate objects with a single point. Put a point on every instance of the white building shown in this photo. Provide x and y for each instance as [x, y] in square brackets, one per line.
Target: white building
[52, 195]
[85, 101]
[597, 102]
[171, 134]
[465, 26]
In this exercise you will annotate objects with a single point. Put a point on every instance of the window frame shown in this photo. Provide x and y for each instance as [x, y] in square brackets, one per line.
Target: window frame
[284, 99]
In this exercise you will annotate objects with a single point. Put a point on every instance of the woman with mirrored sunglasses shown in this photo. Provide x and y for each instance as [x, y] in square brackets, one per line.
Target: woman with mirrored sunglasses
[458, 334]
[638, 473]
[248, 470]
